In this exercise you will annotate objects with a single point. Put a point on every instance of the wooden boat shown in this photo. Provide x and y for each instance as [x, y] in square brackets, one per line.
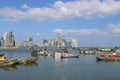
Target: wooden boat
[43, 52]
[2, 57]
[28, 60]
[66, 55]
[109, 57]
[6, 62]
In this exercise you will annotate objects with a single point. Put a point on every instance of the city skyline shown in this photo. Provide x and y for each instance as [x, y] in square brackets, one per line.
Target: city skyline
[8, 41]
[91, 22]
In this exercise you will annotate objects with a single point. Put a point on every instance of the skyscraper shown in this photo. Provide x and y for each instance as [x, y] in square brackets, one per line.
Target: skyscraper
[30, 41]
[59, 41]
[2, 42]
[9, 39]
[73, 43]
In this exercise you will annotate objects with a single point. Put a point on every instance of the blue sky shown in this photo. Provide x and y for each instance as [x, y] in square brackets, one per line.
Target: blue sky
[91, 22]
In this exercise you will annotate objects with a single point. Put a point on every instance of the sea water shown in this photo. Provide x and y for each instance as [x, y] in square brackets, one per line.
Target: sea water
[86, 67]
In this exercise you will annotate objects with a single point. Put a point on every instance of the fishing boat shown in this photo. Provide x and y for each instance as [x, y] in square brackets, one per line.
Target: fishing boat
[108, 57]
[43, 52]
[71, 55]
[28, 60]
[66, 53]
[6, 62]
[2, 57]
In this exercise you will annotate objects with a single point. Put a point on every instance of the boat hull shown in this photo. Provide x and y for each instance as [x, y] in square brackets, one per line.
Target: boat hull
[26, 60]
[6, 63]
[69, 55]
[108, 57]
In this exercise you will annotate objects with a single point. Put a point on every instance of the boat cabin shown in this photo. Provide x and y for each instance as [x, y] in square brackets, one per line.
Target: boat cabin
[2, 57]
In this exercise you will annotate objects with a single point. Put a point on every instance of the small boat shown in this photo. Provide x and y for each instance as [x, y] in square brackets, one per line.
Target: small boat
[2, 57]
[28, 60]
[71, 55]
[65, 53]
[6, 62]
[43, 52]
[56, 54]
[108, 57]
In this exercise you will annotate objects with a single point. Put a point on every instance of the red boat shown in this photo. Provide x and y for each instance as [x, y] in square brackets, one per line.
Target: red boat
[109, 57]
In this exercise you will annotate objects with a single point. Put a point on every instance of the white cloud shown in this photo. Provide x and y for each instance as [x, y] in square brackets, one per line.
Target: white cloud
[82, 32]
[12, 15]
[25, 6]
[62, 10]
[112, 30]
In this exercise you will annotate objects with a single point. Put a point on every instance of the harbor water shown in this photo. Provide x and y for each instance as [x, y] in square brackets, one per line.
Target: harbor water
[86, 67]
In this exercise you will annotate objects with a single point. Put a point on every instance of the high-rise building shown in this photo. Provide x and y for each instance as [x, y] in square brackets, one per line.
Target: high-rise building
[9, 39]
[2, 42]
[30, 41]
[59, 41]
[73, 43]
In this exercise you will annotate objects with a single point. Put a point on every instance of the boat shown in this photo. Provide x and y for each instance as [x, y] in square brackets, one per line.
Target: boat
[34, 53]
[65, 53]
[2, 57]
[28, 60]
[43, 53]
[71, 55]
[6, 62]
[108, 57]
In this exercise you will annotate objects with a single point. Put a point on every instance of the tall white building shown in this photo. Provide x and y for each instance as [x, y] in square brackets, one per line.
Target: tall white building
[73, 43]
[9, 39]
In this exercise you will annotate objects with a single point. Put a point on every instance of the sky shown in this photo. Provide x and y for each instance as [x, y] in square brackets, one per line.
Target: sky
[91, 22]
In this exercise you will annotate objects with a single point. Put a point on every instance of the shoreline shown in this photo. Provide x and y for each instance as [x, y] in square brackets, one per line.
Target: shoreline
[9, 48]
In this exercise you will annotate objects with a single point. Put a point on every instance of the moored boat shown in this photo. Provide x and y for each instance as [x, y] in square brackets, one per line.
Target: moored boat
[6, 62]
[2, 57]
[108, 57]
[43, 53]
[66, 53]
[71, 55]
[28, 60]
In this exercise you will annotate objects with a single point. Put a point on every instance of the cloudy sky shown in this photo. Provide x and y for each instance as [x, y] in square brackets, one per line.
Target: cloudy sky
[91, 22]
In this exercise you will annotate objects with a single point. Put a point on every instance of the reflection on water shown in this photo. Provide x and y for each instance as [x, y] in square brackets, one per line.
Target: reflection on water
[12, 68]
[29, 65]
[107, 61]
